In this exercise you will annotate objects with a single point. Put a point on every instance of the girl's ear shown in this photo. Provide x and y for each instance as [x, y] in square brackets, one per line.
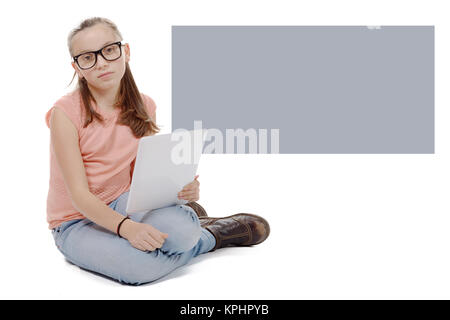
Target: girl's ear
[127, 52]
[80, 76]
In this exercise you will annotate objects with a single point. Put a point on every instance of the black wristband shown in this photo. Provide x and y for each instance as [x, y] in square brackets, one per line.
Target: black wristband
[120, 224]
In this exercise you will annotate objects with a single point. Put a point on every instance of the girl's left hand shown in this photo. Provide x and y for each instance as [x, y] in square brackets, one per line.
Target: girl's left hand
[191, 191]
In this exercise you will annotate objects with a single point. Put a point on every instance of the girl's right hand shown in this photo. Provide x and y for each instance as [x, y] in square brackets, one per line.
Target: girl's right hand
[142, 236]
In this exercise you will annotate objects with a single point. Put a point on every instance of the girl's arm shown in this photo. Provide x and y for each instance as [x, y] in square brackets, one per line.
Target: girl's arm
[64, 141]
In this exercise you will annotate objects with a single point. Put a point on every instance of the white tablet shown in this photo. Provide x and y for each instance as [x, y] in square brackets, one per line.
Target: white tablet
[165, 163]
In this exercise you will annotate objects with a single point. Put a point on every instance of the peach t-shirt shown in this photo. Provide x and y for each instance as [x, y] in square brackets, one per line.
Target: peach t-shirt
[108, 151]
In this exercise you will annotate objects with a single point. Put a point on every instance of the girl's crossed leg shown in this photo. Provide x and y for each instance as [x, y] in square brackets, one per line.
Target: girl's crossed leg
[95, 248]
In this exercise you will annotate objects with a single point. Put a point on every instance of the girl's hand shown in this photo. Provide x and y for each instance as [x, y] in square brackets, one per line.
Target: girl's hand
[142, 236]
[191, 191]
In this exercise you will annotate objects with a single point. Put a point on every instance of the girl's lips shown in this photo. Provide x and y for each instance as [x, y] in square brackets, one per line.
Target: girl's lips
[104, 74]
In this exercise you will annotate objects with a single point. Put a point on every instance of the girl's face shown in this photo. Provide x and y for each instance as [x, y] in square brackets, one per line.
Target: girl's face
[95, 38]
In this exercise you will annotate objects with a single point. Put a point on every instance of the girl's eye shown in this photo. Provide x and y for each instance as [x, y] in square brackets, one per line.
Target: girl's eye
[86, 57]
[109, 50]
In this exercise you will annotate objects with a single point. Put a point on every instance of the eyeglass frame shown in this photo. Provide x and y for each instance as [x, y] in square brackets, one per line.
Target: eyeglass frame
[75, 58]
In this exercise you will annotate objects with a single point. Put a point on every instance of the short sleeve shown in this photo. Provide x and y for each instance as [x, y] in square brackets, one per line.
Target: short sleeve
[150, 104]
[71, 109]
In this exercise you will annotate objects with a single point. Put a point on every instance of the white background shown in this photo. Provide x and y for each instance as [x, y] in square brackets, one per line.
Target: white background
[343, 226]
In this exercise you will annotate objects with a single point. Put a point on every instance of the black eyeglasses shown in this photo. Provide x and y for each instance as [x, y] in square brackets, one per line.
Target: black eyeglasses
[109, 52]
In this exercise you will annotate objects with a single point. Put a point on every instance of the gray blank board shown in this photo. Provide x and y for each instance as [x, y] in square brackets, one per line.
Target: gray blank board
[327, 89]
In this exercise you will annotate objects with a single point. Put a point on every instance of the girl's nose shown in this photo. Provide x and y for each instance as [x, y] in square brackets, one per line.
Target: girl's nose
[101, 61]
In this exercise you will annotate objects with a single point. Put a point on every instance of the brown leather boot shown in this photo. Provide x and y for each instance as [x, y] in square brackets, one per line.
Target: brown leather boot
[201, 212]
[242, 229]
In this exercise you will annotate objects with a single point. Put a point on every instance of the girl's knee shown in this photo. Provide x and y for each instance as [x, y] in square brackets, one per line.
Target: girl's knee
[184, 235]
[182, 225]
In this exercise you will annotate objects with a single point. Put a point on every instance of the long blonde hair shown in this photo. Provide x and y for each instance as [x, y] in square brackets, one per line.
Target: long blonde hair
[133, 111]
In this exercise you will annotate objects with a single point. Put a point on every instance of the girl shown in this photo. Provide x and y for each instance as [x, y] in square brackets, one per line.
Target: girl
[94, 133]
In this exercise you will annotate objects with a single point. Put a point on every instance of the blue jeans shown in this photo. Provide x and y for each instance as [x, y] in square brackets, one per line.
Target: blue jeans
[97, 249]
